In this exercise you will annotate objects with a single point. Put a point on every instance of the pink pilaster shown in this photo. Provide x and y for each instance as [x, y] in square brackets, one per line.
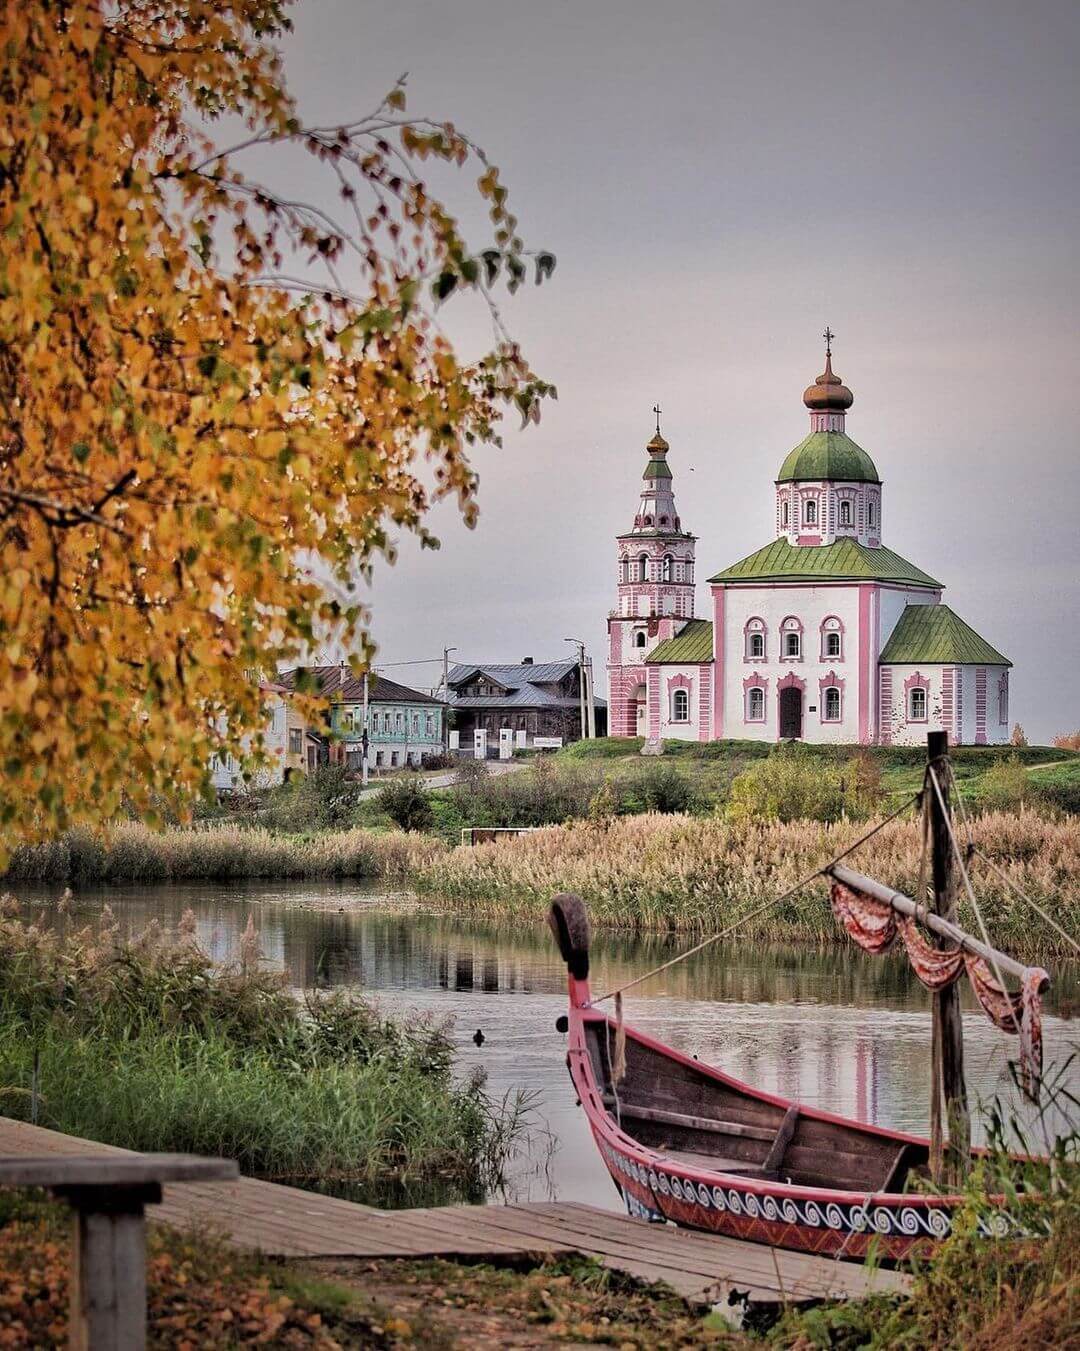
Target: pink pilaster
[980, 706]
[704, 702]
[654, 702]
[867, 659]
[718, 664]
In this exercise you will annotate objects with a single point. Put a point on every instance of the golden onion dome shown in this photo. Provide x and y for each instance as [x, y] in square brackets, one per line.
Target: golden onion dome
[828, 393]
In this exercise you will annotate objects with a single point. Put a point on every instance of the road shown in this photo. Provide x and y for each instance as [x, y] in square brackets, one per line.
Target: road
[447, 780]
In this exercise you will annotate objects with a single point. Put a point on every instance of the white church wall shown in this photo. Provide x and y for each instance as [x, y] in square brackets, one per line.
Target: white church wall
[898, 727]
[811, 606]
[684, 679]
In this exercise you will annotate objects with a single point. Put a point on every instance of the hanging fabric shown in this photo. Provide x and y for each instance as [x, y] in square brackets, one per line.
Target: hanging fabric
[875, 926]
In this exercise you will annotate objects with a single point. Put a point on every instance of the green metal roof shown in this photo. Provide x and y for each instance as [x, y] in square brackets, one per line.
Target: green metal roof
[657, 469]
[828, 455]
[934, 634]
[693, 644]
[843, 560]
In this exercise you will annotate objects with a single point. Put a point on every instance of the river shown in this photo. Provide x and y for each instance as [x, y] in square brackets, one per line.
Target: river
[832, 1028]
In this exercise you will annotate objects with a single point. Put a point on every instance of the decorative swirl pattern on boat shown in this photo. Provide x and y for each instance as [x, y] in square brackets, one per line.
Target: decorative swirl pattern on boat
[900, 1221]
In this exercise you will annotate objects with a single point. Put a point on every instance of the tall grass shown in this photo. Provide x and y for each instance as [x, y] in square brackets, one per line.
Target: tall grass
[150, 1046]
[696, 875]
[134, 853]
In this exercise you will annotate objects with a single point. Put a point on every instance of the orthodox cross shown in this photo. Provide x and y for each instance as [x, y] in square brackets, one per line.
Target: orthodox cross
[828, 335]
[656, 410]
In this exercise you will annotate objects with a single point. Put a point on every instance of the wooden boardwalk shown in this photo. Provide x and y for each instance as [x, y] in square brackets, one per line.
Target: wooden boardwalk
[286, 1222]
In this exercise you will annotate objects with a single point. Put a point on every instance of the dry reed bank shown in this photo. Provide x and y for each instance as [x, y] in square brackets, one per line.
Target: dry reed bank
[697, 874]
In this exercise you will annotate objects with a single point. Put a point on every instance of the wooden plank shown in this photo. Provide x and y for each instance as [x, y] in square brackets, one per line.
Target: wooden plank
[635, 1112]
[89, 1170]
[783, 1138]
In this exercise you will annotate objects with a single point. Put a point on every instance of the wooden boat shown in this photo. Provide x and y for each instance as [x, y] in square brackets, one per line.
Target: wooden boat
[687, 1143]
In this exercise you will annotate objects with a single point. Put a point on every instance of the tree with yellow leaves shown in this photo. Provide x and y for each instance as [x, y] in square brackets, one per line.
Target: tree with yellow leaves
[201, 447]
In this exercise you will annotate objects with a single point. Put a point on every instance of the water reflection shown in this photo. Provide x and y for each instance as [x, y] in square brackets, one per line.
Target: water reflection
[829, 1027]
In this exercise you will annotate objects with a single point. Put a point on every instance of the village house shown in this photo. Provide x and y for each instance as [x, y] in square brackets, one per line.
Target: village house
[405, 726]
[822, 635]
[293, 747]
[530, 699]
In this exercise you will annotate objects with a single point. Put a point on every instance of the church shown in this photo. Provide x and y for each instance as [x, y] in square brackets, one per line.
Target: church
[822, 635]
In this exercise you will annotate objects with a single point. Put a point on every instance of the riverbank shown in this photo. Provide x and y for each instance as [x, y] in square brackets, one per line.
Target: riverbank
[149, 1045]
[650, 873]
[697, 875]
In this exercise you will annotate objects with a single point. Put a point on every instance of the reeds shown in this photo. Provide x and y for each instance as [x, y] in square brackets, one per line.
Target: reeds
[698, 875]
[150, 1046]
[134, 853]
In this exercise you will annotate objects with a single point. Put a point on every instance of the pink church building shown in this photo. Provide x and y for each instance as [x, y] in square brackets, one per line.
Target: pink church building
[823, 635]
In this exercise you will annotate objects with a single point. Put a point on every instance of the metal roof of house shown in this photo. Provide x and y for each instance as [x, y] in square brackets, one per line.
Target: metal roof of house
[843, 560]
[523, 682]
[342, 686]
[933, 634]
[519, 673]
[693, 644]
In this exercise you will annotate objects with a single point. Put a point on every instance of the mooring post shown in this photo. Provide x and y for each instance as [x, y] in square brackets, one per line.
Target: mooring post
[108, 1270]
[947, 1056]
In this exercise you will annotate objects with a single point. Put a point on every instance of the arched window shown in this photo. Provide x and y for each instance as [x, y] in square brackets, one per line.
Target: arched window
[639, 638]
[663, 520]
[756, 648]
[845, 512]
[832, 645]
[917, 704]
[872, 513]
[648, 520]
[667, 568]
[791, 643]
[785, 513]
[755, 704]
[680, 706]
[791, 639]
[1003, 700]
[831, 707]
[643, 568]
[810, 511]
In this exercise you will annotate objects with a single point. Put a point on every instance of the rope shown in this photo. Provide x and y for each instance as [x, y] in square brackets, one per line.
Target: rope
[932, 775]
[761, 909]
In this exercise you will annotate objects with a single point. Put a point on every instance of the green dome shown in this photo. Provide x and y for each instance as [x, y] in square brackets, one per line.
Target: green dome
[828, 455]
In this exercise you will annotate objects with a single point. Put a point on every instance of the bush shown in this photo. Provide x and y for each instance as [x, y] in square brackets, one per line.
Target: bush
[1018, 736]
[658, 788]
[796, 784]
[1068, 741]
[1005, 785]
[406, 803]
[324, 800]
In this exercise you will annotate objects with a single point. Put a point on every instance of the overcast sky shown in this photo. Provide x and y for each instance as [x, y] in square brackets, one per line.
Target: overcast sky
[719, 181]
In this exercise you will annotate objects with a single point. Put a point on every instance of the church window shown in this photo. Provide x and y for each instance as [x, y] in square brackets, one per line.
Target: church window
[663, 520]
[917, 704]
[667, 568]
[757, 646]
[755, 704]
[680, 706]
[648, 520]
[639, 638]
[791, 639]
[832, 704]
[785, 513]
[845, 512]
[872, 513]
[643, 568]
[832, 645]
[1003, 701]
[810, 511]
[791, 644]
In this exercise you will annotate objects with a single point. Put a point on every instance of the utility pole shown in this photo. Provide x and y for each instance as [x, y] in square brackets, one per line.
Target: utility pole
[366, 739]
[948, 1094]
[591, 698]
[446, 697]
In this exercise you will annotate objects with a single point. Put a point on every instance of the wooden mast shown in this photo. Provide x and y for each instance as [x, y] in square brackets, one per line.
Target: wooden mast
[948, 1094]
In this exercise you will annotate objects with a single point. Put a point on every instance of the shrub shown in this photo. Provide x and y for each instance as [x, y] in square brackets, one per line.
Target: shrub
[659, 787]
[796, 784]
[1018, 737]
[1068, 741]
[406, 803]
[324, 800]
[1005, 785]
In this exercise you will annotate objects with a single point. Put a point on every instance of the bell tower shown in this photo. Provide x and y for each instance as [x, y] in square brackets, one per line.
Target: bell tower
[655, 590]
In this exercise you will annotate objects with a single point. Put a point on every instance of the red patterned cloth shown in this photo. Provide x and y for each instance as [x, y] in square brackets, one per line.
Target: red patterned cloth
[874, 925]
